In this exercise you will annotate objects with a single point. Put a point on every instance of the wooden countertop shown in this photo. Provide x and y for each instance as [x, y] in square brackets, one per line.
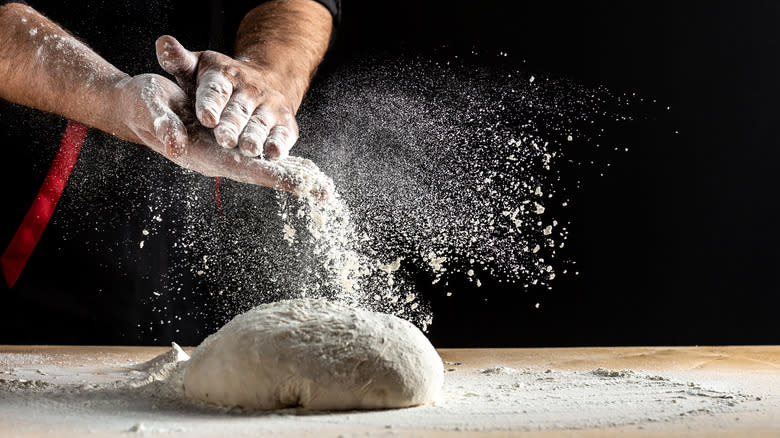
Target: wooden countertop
[751, 369]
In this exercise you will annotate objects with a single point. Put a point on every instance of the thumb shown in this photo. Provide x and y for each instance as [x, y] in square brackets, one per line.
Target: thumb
[177, 60]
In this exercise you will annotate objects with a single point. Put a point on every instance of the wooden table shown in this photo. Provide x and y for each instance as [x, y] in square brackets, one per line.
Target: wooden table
[752, 370]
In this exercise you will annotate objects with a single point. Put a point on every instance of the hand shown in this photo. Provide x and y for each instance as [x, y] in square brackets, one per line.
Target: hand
[147, 106]
[293, 174]
[247, 105]
[158, 113]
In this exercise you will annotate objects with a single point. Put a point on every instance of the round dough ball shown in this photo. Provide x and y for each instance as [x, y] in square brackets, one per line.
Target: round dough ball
[317, 355]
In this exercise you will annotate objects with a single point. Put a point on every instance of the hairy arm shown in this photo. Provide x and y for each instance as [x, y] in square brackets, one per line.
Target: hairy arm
[251, 100]
[44, 67]
[288, 38]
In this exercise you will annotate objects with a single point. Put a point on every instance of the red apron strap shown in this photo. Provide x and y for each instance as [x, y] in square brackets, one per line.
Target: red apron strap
[217, 185]
[29, 232]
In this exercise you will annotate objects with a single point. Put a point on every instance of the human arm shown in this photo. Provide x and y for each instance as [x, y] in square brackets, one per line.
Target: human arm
[44, 67]
[251, 100]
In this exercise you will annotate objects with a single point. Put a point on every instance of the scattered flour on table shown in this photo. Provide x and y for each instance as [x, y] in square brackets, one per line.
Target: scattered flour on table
[147, 398]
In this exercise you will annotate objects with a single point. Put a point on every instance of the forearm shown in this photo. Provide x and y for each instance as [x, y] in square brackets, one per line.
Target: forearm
[44, 67]
[287, 37]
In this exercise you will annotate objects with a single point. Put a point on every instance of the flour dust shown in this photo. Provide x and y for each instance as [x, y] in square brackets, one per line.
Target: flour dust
[147, 398]
[447, 173]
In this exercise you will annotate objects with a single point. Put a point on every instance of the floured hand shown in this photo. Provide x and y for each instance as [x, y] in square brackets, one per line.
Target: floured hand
[158, 112]
[293, 174]
[149, 105]
[247, 105]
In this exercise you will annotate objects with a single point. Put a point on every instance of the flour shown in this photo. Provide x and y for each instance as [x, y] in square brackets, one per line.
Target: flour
[426, 158]
[341, 268]
[461, 175]
[146, 398]
[288, 233]
[499, 370]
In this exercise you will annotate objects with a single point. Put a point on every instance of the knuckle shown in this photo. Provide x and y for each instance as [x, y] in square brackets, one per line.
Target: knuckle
[285, 115]
[262, 120]
[292, 124]
[241, 107]
[253, 89]
[210, 56]
[216, 88]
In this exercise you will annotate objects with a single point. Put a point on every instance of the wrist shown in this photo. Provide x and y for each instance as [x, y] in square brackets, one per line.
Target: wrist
[115, 108]
[288, 38]
[288, 78]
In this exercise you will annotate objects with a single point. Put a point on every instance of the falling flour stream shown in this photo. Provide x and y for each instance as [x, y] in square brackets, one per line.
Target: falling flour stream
[451, 173]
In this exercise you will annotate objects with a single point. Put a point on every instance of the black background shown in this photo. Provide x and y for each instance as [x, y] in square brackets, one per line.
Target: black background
[677, 243]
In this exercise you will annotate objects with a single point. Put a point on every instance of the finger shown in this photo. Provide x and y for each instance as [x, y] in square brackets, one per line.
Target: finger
[177, 60]
[170, 131]
[279, 142]
[256, 131]
[293, 174]
[214, 90]
[233, 120]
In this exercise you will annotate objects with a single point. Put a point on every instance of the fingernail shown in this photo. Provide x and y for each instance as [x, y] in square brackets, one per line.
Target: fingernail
[250, 147]
[272, 151]
[226, 136]
[207, 117]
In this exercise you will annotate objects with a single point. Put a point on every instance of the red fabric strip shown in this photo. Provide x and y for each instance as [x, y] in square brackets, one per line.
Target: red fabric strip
[217, 185]
[29, 232]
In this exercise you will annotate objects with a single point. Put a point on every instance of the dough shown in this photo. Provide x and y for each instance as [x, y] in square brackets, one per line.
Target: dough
[317, 355]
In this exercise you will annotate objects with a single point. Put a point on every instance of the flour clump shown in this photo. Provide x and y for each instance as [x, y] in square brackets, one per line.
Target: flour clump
[314, 354]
